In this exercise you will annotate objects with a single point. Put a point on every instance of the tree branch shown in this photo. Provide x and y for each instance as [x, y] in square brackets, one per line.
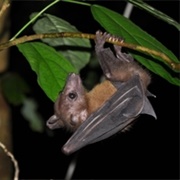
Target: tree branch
[5, 5]
[173, 65]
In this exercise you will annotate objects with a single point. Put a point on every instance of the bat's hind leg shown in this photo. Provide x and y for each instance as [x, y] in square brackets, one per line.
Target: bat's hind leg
[107, 59]
[105, 56]
[100, 41]
[118, 67]
[113, 65]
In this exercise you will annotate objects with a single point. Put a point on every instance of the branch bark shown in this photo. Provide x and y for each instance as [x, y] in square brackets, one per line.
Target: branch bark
[5, 118]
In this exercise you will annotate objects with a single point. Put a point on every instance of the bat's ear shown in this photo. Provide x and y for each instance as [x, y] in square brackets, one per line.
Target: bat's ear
[54, 122]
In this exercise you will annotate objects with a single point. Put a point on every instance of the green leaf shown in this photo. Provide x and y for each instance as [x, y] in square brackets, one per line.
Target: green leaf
[51, 68]
[158, 14]
[123, 27]
[14, 88]
[30, 113]
[73, 49]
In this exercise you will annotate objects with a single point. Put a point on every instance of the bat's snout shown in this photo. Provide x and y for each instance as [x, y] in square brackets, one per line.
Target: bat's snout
[73, 76]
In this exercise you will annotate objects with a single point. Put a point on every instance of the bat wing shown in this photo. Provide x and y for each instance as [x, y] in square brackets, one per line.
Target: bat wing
[147, 108]
[119, 111]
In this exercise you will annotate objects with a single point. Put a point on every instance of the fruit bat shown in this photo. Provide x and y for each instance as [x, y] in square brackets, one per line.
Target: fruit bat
[110, 106]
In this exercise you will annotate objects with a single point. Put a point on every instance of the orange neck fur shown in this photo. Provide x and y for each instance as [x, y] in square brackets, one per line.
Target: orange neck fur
[98, 95]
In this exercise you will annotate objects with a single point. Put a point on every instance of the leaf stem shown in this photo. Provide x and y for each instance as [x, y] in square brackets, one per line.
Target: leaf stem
[33, 19]
[173, 65]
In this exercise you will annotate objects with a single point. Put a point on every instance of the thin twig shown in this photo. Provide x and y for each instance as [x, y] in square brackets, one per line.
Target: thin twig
[16, 167]
[34, 18]
[173, 65]
[71, 167]
[128, 10]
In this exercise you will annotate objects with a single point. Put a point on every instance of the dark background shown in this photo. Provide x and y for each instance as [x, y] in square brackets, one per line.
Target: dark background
[149, 150]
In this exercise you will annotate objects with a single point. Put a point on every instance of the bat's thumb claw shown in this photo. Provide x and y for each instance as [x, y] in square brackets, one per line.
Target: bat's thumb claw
[67, 150]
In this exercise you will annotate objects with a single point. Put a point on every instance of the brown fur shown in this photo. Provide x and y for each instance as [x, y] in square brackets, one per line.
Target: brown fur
[124, 71]
[99, 95]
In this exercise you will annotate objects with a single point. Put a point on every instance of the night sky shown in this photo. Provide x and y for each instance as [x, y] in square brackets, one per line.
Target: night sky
[149, 150]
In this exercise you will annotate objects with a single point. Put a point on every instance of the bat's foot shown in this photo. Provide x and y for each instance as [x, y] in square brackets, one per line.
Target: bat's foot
[102, 37]
[100, 40]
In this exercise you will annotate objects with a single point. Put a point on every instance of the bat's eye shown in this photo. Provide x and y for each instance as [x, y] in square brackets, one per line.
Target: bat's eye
[72, 95]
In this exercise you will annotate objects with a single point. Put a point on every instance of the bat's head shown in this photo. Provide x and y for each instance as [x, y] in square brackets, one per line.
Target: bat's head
[71, 106]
